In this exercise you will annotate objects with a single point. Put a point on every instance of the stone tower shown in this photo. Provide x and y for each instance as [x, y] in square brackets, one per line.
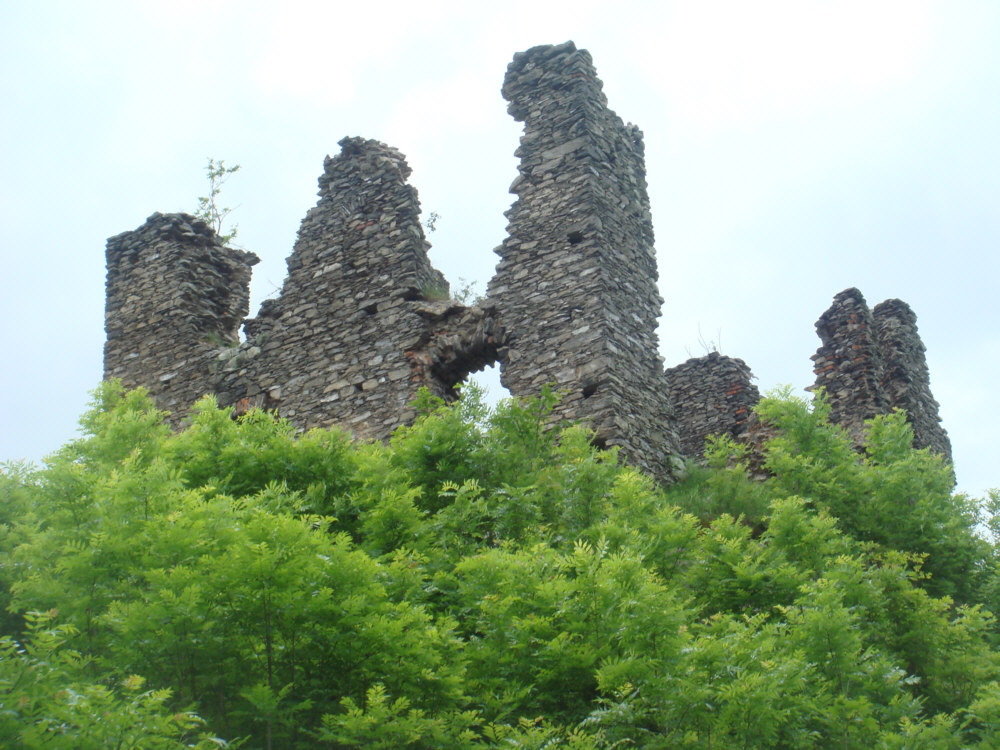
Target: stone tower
[711, 395]
[905, 379]
[575, 287]
[873, 362]
[848, 363]
[174, 295]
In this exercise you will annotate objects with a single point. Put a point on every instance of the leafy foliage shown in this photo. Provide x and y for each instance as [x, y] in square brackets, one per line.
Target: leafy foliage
[48, 701]
[209, 209]
[486, 581]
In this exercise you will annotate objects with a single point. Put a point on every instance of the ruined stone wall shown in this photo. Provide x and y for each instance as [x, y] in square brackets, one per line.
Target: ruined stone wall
[174, 295]
[905, 379]
[357, 329]
[576, 283]
[871, 363]
[711, 395]
[848, 363]
[363, 319]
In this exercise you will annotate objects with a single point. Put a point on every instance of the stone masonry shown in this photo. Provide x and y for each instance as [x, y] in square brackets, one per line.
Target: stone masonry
[175, 295]
[576, 283]
[363, 321]
[848, 364]
[905, 379]
[711, 395]
[871, 363]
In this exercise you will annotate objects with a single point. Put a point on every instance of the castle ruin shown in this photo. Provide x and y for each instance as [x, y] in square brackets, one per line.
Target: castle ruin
[871, 362]
[363, 321]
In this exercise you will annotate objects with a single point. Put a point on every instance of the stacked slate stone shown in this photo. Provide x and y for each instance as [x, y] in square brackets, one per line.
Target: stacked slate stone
[363, 320]
[905, 380]
[346, 341]
[175, 294]
[870, 364]
[576, 283]
[711, 395]
[848, 364]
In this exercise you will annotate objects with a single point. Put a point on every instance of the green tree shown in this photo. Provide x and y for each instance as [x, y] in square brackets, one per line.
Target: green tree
[47, 700]
[209, 209]
[894, 496]
[487, 579]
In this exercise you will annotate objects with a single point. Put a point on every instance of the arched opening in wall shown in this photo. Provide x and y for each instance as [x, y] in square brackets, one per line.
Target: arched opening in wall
[489, 380]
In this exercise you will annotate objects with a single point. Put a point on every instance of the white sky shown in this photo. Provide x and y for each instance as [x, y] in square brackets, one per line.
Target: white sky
[794, 149]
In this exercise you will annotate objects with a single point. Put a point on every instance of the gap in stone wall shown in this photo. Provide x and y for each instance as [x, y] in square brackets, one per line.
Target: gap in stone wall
[489, 380]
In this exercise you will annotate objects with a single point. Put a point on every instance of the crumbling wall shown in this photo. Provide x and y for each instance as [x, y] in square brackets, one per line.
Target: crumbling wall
[576, 283]
[871, 363]
[905, 379]
[848, 363]
[174, 295]
[363, 320]
[711, 395]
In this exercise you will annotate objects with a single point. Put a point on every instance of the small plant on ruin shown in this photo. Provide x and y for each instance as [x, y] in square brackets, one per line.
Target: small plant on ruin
[219, 341]
[710, 346]
[434, 291]
[466, 294]
[209, 210]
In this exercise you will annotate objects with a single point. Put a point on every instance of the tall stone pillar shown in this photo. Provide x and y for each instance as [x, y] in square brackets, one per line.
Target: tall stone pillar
[575, 287]
[872, 362]
[905, 380]
[848, 363]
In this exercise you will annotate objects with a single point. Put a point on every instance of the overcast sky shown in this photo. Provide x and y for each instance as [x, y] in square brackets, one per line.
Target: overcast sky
[794, 149]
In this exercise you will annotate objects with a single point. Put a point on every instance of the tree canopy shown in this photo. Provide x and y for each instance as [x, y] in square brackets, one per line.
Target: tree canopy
[485, 581]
